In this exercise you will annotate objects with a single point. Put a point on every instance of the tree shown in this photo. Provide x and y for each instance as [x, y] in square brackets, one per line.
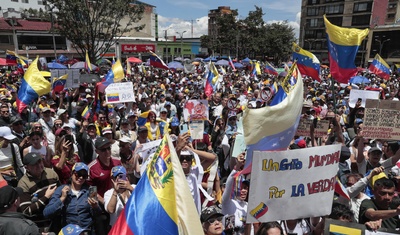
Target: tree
[278, 41]
[95, 26]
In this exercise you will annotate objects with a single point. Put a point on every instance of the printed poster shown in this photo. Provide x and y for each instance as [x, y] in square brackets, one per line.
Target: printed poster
[196, 110]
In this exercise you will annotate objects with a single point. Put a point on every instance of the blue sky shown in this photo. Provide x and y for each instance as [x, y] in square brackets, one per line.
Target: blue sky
[177, 15]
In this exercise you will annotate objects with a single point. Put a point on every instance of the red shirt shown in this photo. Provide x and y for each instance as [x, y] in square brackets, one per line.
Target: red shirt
[100, 175]
[66, 172]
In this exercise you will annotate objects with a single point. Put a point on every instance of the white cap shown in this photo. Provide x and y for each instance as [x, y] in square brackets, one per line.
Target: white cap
[5, 132]
[125, 139]
[61, 111]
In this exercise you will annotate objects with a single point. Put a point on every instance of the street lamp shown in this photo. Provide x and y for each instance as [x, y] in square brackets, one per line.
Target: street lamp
[50, 9]
[166, 39]
[181, 42]
[381, 43]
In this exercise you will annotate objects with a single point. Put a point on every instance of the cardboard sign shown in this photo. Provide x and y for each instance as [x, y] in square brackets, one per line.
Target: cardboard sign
[347, 228]
[363, 95]
[288, 184]
[304, 127]
[382, 120]
[73, 76]
[120, 92]
[195, 110]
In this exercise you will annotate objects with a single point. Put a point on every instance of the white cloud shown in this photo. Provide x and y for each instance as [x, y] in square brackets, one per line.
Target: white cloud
[174, 25]
[294, 24]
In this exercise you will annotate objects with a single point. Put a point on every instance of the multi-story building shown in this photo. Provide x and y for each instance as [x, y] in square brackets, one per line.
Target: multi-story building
[212, 23]
[346, 13]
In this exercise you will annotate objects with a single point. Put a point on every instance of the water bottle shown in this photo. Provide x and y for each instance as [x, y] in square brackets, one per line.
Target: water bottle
[35, 198]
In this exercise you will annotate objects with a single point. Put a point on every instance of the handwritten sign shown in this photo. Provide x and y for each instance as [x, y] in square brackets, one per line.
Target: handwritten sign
[304, 128]
[382, 119]
[288, 184]
[195, 110]
[120, 92]
[363, 95]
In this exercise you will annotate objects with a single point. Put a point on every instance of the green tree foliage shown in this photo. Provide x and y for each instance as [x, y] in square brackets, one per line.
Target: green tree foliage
[278, 41]
[95, 26]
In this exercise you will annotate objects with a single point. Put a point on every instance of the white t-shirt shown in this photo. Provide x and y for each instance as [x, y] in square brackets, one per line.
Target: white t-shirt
[118, 208]
[6, 158]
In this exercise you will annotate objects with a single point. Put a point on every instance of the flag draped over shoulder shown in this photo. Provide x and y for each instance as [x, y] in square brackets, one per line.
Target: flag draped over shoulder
[157, 62]
[343, 45]
[58, 84]
[115, 74]
[380, 67]
[161, 202]
[33, 85]
[212, 78]
[88, 65]
[307, 62]
[273, 127]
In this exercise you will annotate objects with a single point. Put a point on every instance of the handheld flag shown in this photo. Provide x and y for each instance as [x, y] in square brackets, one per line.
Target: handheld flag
[88, 65]
[257, 68]
[231, 64]
[273, 127]
[115, 74]
[307, 62]
[128, 67]
[161, 202]
[33, 85]
[11, 57]
[380, 67]
[212, 78]
[340, 189]
[59, 83]
[343, 45]
[142, 119]
[269, 69]
[86, 112]
[157, 62]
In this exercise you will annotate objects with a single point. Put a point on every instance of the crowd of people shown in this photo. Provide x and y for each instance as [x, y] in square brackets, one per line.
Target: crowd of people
[60, 170]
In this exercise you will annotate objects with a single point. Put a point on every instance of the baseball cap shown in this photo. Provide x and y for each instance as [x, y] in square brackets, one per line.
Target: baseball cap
[125, 139]
[80, 166]
[124, 120]
[106, 130]
[60, 131]
[209, 212]
[61, 111]
[373, 149]
[167, 103]
[116, 170]
[142, 128]
[175, 121]
[45, 109]
[163, 110]
[31, 158]
[130, 114]
[72, 229]
[100, 142]
[15, 119]
[66, 126]
[8, 196]
[120, 106]
[5, 132]
[302, 143]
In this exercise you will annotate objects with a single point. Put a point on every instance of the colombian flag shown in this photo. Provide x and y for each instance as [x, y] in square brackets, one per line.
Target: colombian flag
[156, 62]
[161, 202]
[307, 62]
[212, 78]
[343, 45]
[380, 67]
[88, 65]
[59, 83]
[33, 85]
[269, 69]
[115, 74]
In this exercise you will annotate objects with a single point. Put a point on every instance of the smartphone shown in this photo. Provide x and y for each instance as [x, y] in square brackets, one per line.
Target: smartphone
[69, 138]
[183, 128]
[93, 192]
[122, 177]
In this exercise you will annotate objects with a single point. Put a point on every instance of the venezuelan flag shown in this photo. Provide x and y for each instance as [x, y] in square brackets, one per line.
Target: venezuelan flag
[161, 202]
[11, 57]
[113, 97]
[142, 119]
[307, 62]
[340, 189]
[115, 74]
[88, 65]
[212, 78]
[231, 63]
[86, 112]
[157, 62]
[380, 67]
[343, 45]
[269, 69]
[59, 83]
[33, 85]
[272, 128]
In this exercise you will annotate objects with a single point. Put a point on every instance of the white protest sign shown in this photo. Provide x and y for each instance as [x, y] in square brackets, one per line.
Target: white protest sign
[73, 76]
[304, 127]
[120, 92]
[363, 95]
[195, 110]
[292, 184]
[239, 146]
[382, 120]
[196, 129]
[145, 151]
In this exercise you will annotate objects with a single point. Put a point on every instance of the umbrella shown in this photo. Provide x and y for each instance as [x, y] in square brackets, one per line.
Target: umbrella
[81, 65]
[238, 65]
[134, 60]
[175, 65]
[178, 59]
[213, 59]
[89, 78]
[246, 60]
[3, 62]
[198, 59]
[222, 62]
[54, 65]
[103, 61]
[359, 80]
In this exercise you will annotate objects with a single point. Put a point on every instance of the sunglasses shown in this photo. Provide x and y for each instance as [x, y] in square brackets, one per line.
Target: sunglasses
[213, 220]
[105, 149]
[188, 158]
[81, 174]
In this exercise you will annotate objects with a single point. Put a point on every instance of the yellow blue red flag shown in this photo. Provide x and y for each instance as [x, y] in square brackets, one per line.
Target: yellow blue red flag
[115, 74]
[307, 62]
[33, 85]
[212, 78]
[161, 202]
[59, 83]
[88, 65]
[380, 67]
[343, 45]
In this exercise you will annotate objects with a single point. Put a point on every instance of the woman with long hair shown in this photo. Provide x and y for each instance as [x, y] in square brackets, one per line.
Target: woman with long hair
[153, 127]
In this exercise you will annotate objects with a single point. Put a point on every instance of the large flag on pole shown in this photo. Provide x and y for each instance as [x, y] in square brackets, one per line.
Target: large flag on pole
[157, 62]
[273, 127]
[212, 78]
[343, 45]
[380, 67]
[115, 74]
[231, 64]
[307, 62]
[161, 202]
[88, 65]
[33, 85]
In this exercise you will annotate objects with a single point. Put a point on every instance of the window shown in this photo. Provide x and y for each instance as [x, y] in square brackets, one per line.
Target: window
[392, 5]
[312, 11]
[6, 39]
[335, 9]
[311, 2]
[25, 1]
[314, 23]
[362, 7]
[40, 2]
[334, 0]
[14, 0]
[336, 20]
[361, 20]
[391, 16]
